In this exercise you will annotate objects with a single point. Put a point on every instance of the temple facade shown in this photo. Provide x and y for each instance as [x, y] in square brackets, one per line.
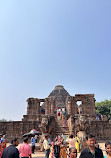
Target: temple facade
[78, 118]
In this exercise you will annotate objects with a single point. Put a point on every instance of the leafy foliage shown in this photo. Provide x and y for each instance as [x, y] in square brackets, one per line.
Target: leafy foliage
[103, 107]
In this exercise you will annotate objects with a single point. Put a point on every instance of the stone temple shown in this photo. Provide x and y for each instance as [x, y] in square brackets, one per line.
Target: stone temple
[80, 119]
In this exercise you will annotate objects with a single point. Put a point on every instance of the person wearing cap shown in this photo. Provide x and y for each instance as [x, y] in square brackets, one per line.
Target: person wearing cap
[25, 149]
[11, 151]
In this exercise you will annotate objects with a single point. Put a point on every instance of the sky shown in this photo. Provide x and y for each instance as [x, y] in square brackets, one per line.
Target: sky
[44, 43]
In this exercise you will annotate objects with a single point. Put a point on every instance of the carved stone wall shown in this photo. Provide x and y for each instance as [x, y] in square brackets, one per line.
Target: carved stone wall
[49, 106]
[33, 110]
[87, 107]
[88, 104]
[17, 128]
[100, 129]
[61, 98]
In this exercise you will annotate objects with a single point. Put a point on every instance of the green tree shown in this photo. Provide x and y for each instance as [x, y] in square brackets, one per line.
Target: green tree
[103, 107]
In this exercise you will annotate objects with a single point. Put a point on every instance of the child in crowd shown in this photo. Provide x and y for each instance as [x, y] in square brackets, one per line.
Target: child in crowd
[108, 150]
[73, 153]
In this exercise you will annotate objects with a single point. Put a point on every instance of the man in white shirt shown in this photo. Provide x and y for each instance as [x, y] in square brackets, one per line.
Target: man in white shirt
[46, 147]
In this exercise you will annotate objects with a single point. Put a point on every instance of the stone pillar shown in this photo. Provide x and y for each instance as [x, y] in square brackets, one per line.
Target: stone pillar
[84, 106]
[88, 105]
[69, 105]
[91, 103]
[29, 106]
[38, 107]
[33, 110]
[47, 106]
[74, 107]
[52, 106]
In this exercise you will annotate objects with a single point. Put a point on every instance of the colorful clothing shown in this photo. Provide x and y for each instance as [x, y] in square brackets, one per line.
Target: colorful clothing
[0, 150]
[25, 150]
[2, 146]
[77, 144]
[63, 152]
[51, 155]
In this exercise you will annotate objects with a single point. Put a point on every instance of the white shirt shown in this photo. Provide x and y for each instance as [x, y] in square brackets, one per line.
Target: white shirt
[46, 145]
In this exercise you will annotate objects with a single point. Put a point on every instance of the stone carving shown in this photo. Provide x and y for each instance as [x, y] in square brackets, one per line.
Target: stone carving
[81, 123]
[77, 122]
[47, 124]
[43, 125]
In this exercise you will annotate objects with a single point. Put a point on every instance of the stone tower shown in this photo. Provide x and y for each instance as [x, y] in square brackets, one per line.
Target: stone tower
[60, 95]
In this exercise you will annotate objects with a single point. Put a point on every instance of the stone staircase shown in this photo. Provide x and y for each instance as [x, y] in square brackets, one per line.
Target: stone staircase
[59, 129]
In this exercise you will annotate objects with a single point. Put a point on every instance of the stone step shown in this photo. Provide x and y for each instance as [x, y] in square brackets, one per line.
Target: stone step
[62, 131]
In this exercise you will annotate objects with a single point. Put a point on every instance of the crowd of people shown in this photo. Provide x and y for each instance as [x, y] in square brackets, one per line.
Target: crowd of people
[59, 147]
[100, 117]
[69, 148]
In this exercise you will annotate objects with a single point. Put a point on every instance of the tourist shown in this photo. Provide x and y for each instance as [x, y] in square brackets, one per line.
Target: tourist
[91, 151]
[108, 150]
[51, 155]
[0, 149]
[25, 149]
[71, 140]
[73, 153]
[100, 119]
[57, 143]
[77, 143]
[46, 147]
[33, 144]
[97, 116]
[109, 117]
[11, 151]
[3, 144]
[63, 150]
[59, 114]
[0, 146]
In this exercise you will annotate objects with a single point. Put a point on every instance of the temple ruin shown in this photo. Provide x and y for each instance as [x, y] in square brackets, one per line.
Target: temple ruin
[79, 118]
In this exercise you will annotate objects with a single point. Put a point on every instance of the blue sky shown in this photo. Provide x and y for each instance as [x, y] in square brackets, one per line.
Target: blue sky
[44, 43]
